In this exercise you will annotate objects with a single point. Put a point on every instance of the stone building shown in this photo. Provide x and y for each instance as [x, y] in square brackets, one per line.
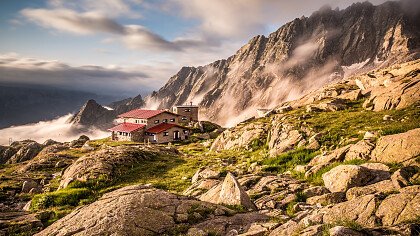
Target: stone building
[188, 113]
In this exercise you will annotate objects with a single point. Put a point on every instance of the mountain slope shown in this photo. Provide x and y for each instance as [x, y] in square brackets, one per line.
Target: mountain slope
[300, 56]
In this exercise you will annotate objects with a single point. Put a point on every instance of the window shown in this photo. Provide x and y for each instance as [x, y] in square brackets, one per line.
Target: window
[184, 118]
[187, 110]
[185, 131]
[156, 121]
[165, 133]
[172, 120]
[165, 120]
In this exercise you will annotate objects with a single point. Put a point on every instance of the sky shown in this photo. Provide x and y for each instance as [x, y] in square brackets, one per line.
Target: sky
[127, 47]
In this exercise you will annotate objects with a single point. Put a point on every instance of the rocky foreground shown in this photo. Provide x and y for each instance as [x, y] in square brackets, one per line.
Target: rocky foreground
[342, 160]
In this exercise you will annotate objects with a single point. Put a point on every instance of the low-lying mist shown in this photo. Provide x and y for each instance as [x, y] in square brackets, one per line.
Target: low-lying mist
[57, 129]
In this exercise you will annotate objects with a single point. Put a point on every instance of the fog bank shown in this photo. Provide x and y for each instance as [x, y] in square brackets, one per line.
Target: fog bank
[56, 129]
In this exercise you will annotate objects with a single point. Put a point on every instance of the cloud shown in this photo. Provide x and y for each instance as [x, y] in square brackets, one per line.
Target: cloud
[232, 19]
[112, 80]
[71, 21]
[57, 129]
[92, 22]
[111, 8]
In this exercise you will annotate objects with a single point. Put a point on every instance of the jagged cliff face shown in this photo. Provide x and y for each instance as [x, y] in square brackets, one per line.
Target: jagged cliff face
[300, 56]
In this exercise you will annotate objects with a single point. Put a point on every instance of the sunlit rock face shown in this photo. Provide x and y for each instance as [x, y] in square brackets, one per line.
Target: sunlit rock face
[302, 55]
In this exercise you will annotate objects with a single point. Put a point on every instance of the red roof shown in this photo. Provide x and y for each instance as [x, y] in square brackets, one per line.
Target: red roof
[127, 127]
[141, 114]
[162, 127]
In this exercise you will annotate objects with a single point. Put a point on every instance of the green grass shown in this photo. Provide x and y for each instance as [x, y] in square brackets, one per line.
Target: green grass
[63, 197]
[289, 160]
[109, 142]
[352, 122]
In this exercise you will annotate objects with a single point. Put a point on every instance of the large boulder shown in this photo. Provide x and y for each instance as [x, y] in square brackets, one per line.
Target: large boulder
[361, 210]
[284, 137]
[399, 208]
[108, 162]
[135, 210]
[229, 192]
[398, 148]
[343, 177]
[27, 151]
[243, 136]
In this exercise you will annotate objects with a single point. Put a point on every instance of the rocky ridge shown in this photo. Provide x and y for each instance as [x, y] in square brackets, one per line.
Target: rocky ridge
[302, 55]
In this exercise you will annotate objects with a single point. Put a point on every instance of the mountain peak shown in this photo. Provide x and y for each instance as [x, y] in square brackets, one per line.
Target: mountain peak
[300, 56]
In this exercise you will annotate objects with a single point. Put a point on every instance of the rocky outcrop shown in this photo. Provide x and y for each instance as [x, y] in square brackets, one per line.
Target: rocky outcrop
[244, 136]
[229, 192]
[107, 162]
[284, 137]
[398, 91]
[139, 210]
[78, 143]
[399, 208]
[27, 150]
[6, 152]
[338, 42]
[361, 210]
[19, 223]
[398, 148]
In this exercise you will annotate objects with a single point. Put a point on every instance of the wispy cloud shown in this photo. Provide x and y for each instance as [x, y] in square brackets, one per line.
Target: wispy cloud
[93, 22]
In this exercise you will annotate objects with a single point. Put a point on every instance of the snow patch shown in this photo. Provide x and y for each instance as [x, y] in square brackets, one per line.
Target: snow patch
[349, 70]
